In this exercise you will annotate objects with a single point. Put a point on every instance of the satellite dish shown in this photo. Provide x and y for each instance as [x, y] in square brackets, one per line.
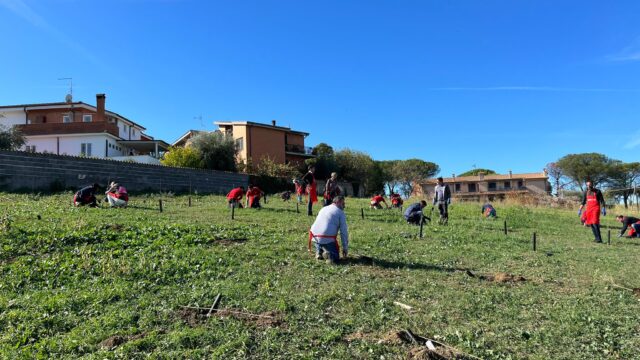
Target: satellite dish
[68, 98]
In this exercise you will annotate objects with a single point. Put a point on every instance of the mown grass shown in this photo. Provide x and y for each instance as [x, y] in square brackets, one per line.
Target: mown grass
[78, 276]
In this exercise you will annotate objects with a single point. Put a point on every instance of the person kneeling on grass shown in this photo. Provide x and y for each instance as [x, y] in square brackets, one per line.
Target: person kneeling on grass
[414, 214]
[86, 196]
[234, 197]
[629, 222]
[489, 211]
[324, 232]
[117, 195]
[396, 200]
[253, 197]
[377, 200]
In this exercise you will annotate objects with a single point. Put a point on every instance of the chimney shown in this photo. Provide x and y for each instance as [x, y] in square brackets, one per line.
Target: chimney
[273, 123]
[481, 175]
[510, 174]
[100, 99]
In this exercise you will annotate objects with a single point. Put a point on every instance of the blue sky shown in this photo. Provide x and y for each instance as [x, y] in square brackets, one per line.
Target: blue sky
[496, 84]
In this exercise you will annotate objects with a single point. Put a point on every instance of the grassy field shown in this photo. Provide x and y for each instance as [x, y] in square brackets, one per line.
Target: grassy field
[111, 283]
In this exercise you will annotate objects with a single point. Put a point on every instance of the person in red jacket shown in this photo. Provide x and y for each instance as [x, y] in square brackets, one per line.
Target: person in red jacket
[253, 197]
[377, 200]
[234, 197]
[309, 181]
[396, 200]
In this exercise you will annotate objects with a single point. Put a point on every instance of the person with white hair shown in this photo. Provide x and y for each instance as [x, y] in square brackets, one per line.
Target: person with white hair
[117, 195]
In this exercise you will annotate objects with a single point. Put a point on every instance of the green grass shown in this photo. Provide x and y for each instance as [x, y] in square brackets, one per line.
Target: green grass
[78, 276]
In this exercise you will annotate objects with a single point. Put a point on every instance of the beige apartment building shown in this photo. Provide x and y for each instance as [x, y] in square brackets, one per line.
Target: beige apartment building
[489, 187]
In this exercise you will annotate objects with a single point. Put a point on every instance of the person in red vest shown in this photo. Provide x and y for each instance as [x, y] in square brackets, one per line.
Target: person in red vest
[377, 200]
[595, 204]
[86, 196]
[253, 197]
[309, 181]
[396, 200]
[117, 195]
[630, 222]
[299, 190]
[234, 197]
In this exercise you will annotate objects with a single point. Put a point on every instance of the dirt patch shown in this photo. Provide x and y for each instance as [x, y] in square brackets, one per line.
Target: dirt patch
[359, 336]
[192, 317]
[229, 242]
[114, 341]
[392, 337]
[440, 353]
[636, 292]
[499, 277]
[114, 227]
[195, 317]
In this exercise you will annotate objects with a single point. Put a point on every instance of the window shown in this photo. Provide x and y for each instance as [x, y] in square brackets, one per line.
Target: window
[239, 144]
[66, 119]
[30, 148]
[492, 186]
[520, 184]
[457, 187]
[85, 149]
[472, 187]
[507, 184]
[87, 118]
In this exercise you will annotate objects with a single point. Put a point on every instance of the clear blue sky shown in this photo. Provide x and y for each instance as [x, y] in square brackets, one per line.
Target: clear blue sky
[497, 84]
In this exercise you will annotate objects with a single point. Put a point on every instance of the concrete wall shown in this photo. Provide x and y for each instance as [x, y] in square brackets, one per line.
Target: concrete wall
[10, 118]
[46, 172]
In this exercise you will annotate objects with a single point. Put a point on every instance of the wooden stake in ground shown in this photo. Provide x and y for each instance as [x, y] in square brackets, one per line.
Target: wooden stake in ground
[534, 241]
[189, 201]
[362, 213]
[160, 204]
[609, 237]
[421, 225]
[505, 227]
[233, 210]
[297, 208]
[214, 307]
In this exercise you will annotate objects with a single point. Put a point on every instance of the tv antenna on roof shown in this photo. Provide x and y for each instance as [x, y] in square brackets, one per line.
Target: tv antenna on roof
[199, 117]
[69, 97]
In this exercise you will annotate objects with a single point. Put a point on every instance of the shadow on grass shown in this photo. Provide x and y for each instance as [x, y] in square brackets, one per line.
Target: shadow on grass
[386, 264]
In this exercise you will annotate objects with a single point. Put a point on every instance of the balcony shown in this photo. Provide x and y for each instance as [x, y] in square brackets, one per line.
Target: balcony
[513, 188]
[69, 128]
[298, 150]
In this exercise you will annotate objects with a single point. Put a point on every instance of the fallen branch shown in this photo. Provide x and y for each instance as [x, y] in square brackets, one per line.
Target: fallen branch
[226, 311]
[429, 343]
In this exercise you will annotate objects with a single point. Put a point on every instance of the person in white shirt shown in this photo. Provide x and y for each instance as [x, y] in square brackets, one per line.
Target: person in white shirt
[324, 232]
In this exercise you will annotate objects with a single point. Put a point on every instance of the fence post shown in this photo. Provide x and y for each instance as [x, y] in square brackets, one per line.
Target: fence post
[421, 225]
[233, 210]
[609, 237]
[189, 201]
[160, 204]
[362, 213]
[297, 208]
[534, 241]
[505, 227]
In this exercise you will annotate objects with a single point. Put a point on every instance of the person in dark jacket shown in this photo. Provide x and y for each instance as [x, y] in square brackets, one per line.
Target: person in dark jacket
[631, 223]
[309, 182]
[594, 202]
[414, 214]
[442, 198]
[86, 196]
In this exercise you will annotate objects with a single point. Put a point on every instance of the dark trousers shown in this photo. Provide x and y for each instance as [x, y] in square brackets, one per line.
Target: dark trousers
[596, 232]
[443, 208]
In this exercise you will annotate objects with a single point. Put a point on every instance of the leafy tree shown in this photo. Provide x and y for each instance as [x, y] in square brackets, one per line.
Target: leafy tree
[387, 174]
[325, 161]
[218, 150]
[583, 167]
[475, 172]
[622, 178]
[182, 157]
[355, 166]
[409, 172]
[268, 167]
[11, 138]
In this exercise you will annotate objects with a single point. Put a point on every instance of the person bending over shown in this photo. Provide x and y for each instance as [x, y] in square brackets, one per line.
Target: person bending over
[324, 232]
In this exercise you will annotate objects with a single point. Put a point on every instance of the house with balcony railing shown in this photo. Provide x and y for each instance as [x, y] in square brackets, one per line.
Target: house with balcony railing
[256, 141]
[488, 187]
[80, 129]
